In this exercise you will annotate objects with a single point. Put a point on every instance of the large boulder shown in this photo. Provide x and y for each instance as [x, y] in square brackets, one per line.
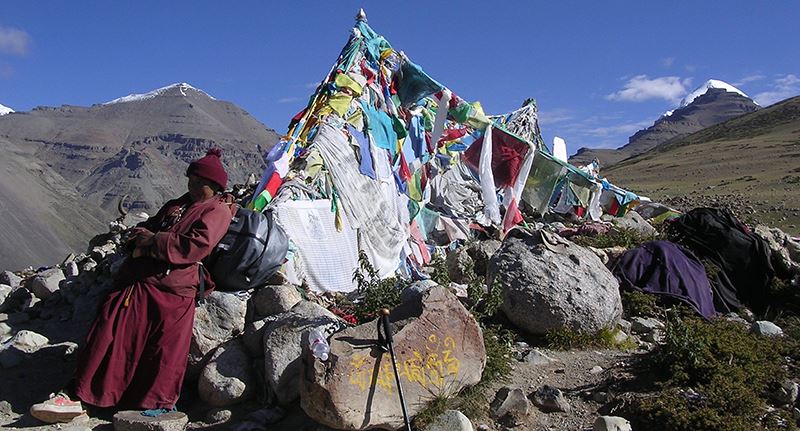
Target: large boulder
[285, 340]
[228, 377]
[218, 319]
[439, 350]
[46, 283]
[549, 283]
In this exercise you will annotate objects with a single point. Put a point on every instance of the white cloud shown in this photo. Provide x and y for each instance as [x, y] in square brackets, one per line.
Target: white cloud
[289, 99]
[555, 116]
[14, 41]
[783, 87]
[311, 85]
[749, 78]
[668, 62]
[641, 88]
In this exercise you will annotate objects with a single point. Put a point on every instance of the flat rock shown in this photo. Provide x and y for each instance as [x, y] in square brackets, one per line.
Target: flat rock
[439, 350]
[133, 420]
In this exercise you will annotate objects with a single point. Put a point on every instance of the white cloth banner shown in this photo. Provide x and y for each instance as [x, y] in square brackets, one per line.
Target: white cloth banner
[325, 258]
[364, 201]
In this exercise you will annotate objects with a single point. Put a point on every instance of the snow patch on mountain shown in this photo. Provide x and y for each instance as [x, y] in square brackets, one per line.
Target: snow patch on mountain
[5, 110]
[182, 87]
[711, 83]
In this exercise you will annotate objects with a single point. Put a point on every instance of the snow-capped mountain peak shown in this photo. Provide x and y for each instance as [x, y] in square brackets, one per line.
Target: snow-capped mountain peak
[711, 83]
[5, 110]
[181, 87]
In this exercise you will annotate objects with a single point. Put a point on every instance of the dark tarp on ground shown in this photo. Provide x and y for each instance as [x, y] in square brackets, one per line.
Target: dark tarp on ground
[667, 269]
[745, 268]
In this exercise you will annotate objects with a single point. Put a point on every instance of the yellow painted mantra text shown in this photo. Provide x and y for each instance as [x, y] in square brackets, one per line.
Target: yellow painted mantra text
[428, 367]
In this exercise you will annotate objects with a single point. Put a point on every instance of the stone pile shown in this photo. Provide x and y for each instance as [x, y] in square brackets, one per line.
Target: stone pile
[251, 348]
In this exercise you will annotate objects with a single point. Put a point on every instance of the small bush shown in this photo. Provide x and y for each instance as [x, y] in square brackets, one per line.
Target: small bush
[712, 377]
[568, 339]
[635, 303]
[438, 270]
[617, 237]
[374, 293]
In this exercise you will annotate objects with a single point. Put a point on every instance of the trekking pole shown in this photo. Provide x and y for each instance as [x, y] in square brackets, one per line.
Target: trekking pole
[387, 344]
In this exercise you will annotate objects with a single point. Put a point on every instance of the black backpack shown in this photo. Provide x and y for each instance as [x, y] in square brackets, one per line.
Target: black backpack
[251, 252]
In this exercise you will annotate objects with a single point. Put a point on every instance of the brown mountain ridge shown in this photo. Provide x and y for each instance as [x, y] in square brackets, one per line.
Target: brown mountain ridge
[751, 163]
[74, 163]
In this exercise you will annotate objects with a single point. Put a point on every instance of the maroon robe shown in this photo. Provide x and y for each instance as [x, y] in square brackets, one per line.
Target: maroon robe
[138, 346]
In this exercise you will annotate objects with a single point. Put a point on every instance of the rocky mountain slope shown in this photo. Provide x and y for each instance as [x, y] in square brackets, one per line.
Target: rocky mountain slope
[751, 163]
[712, 103]
[86, 158]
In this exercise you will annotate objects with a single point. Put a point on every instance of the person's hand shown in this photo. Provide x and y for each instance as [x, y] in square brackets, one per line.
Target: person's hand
[138, 252]
[142, 237]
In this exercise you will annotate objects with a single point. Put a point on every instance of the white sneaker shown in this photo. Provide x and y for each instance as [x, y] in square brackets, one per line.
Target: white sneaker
[59, 408]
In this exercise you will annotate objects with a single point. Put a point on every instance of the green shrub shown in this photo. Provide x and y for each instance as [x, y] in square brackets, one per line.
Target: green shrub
[616, 237]
[568, 339]
[635, 303]
[374, 293]
[712, 376]
[437, 268]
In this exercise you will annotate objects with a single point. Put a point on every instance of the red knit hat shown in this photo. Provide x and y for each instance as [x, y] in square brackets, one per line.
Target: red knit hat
[210, 168]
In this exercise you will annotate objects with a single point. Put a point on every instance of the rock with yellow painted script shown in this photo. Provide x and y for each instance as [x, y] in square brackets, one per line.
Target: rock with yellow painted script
[439, 350]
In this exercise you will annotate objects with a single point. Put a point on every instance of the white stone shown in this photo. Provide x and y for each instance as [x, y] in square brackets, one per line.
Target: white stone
[450, 420]
[764, 327]
[536, 357]
[611, 423]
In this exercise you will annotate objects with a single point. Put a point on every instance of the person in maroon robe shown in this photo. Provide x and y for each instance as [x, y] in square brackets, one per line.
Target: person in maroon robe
[137, 349]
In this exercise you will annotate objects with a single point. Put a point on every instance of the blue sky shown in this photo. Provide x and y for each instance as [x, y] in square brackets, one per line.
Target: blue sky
[599, 70]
